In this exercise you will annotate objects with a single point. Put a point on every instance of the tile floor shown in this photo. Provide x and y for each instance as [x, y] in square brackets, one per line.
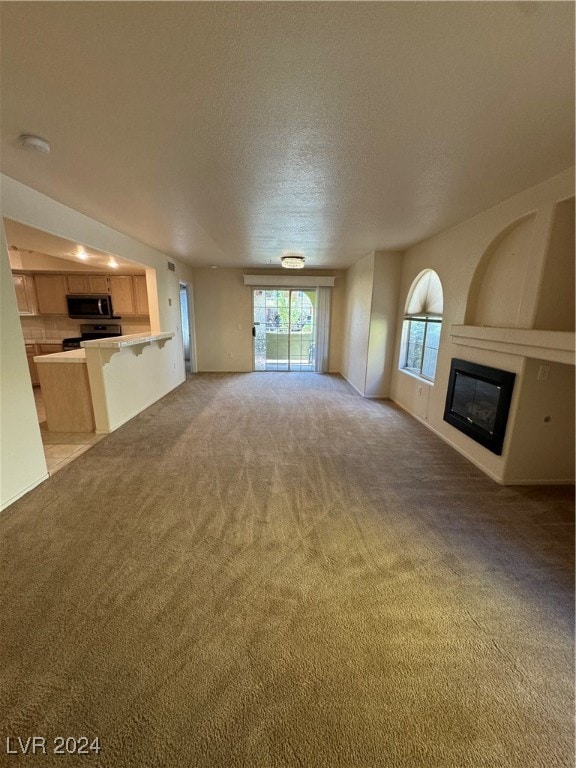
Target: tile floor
[60, 448]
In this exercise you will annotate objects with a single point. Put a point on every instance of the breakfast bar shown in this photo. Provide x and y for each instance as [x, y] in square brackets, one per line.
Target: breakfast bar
[127, 374]
[107, 383]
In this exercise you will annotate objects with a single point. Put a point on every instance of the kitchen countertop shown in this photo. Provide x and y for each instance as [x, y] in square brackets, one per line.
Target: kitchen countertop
[117, 342]
[72, 356]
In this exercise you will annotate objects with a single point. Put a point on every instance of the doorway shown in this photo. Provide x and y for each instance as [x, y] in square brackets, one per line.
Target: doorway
[284, 329]
[187, 339]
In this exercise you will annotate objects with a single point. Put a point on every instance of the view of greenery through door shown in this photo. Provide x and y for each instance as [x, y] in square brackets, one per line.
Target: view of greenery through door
[284, 329]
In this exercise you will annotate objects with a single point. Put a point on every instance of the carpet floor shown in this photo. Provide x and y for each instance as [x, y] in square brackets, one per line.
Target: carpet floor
[267, 570]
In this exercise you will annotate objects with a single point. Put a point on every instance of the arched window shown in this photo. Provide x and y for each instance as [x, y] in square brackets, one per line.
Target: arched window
[422, 325]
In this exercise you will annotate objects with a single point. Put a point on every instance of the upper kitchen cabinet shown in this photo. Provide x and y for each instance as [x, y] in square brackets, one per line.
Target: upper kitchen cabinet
[51, 294]
[87, 284]
[77, 283]
[122, 294]
[98, 284]
[140, 295]
[25, 294]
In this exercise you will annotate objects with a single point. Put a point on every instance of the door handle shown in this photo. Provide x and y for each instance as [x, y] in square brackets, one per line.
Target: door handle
[254, 331]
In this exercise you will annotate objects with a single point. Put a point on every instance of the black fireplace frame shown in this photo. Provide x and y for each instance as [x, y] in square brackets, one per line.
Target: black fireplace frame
[504, 380]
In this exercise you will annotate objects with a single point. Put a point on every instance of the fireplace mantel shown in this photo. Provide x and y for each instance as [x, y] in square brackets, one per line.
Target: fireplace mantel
[555, 346]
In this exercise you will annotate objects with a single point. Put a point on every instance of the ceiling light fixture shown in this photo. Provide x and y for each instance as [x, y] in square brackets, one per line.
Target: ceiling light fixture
[293, 261]
[112, 263]
[35, 143]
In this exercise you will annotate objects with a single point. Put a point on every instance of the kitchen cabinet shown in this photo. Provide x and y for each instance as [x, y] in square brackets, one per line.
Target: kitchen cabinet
[51, 294]
[98, 284]
[140, 294]
[48, 349]
[33, 350]
[122, 294]
[45, 294]
[30, 354]
[77, 283]
[25, 294]
[87, 284]
[66, 391]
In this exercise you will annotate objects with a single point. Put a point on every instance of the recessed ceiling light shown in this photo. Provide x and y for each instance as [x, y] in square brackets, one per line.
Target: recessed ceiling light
[81, 254]
[113, 263]
[35, 143]
[293, 261]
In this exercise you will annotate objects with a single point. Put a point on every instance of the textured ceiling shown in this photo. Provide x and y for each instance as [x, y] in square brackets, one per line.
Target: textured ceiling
[226, 133]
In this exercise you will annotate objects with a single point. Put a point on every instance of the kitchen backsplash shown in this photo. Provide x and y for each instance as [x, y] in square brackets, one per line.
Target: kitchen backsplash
[55, 329]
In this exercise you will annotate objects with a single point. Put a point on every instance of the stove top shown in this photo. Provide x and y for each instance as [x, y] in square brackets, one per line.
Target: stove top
[90, 332]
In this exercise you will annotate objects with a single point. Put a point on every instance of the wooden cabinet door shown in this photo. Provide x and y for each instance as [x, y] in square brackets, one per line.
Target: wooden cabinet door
[122, 294]
[98, 284]
[25, 294]
[51, 294]
[77, 283]
[140, 295]
[30, 353]
[87, 284]
[48, 349]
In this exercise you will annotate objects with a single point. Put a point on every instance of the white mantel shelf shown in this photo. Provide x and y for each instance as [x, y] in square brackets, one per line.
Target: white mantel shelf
[132, 340]
[556, 346]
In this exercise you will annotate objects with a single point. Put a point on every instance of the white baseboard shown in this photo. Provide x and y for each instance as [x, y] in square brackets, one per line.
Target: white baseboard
[23, 492]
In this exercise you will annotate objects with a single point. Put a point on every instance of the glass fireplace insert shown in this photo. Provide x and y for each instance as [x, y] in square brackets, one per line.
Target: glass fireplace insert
[478, 402]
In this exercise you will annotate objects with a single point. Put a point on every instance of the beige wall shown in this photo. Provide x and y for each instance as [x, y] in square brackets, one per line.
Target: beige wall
[23, 462]
[22, 457]
[223, 314]
[542, 443]
[381, 361]
[370, 318]
[555, 309]
[356, 325]
[455, 255]
[223, 317]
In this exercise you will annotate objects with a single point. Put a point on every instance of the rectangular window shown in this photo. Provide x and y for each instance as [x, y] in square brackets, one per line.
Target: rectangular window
[422, 343]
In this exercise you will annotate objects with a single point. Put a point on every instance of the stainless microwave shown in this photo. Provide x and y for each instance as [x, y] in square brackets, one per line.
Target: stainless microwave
[89, 306]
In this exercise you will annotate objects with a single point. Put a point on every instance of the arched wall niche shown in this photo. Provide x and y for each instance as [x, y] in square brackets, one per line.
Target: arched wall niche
[495, 293]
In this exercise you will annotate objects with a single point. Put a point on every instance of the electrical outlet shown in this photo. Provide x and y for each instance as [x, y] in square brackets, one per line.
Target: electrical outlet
[543, 372]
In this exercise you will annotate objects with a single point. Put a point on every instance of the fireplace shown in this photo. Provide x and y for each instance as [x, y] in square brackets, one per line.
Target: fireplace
[478, 401]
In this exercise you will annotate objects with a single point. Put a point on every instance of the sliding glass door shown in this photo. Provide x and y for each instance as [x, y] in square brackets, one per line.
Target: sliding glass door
[284, 329]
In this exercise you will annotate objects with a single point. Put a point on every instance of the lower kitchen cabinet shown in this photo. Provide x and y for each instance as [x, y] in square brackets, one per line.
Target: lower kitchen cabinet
[30, 354]
[48, 349]
[33, 350]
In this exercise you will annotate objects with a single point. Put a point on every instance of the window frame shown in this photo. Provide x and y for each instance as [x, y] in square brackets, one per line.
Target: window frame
[427, 320]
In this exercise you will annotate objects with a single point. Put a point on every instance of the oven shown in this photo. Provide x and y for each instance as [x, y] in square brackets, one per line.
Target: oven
[91, 332]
